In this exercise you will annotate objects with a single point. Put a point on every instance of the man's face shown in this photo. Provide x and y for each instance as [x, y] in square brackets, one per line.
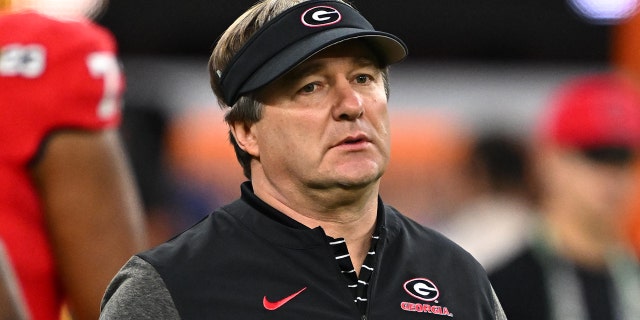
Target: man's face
[325, 123]
[594, 184]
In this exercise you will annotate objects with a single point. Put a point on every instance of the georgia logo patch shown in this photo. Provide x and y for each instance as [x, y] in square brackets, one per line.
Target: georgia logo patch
[320, 16]
[424, 290]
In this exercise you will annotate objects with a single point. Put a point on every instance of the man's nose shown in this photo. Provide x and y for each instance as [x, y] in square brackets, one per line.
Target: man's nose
[349, 104]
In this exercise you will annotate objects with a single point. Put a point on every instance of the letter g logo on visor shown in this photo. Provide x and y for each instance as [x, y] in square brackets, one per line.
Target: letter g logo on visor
[320, 16]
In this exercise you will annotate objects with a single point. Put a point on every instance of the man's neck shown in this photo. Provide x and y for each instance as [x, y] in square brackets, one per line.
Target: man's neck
[348, 214]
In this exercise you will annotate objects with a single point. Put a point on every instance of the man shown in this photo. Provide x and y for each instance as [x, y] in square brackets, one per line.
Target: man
[69, 212]
[306, 87]
[499, 198]
[577, 267]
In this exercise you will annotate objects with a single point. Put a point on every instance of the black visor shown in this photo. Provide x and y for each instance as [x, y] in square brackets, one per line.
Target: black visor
[295, 35]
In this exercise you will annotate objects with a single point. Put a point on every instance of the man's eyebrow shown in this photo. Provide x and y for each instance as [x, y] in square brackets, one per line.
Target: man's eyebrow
[311, 67]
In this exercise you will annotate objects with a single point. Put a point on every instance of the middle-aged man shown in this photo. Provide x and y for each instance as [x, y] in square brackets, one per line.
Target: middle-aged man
[576, 265]
[305, 84]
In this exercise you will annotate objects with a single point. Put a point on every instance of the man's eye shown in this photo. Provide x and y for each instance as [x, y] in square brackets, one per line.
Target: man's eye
[309, 88]
[362, 78]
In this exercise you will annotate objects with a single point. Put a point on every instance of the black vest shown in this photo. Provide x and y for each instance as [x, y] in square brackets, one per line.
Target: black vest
[239, 262]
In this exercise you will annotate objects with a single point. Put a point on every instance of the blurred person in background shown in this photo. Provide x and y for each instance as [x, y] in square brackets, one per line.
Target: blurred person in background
[578, 266]
[69, 211]
[496, 219]
[172, 199]
[143, 131]
[305, 86]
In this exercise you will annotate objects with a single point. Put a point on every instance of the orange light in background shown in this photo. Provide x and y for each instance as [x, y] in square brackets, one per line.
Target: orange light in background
[199, 150]
[626, 46]
[631, 223]
[423, 178]
[626, 57]
[4, 5]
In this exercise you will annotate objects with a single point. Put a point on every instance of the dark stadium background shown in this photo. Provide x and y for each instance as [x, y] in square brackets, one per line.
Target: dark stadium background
[504, 30]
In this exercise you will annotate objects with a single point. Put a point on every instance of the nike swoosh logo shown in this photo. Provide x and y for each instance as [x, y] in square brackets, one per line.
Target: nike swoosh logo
[277, 304]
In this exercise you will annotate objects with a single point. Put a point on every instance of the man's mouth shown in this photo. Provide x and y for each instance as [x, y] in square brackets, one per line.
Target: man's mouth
[354, 140]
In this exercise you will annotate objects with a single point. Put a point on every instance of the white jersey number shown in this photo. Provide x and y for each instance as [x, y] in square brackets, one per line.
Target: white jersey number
[105, 65]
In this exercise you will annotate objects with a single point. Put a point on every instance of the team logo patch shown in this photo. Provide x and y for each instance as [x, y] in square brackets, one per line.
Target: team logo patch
[423, 289]
[320, 16]
[427, 291]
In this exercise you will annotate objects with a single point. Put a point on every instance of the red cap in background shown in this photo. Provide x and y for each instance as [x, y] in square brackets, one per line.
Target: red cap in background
[600, 110]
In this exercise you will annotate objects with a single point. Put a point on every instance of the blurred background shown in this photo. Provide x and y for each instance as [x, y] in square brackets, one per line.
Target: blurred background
[476, 69]
[463, 105]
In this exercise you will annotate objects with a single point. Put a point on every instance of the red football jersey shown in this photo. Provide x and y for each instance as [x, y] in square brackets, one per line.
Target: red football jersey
[54, 75]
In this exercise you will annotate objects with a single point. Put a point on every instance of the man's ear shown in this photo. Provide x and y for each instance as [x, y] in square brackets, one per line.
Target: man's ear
[245, 137]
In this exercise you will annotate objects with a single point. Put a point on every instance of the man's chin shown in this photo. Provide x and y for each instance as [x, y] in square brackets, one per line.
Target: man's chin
[352, 182]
